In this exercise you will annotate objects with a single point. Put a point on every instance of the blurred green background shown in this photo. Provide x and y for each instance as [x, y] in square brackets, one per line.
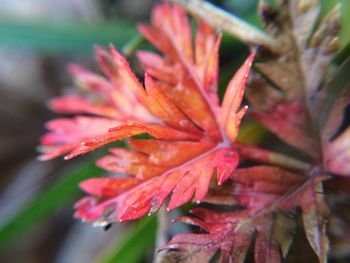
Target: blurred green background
[38, 39]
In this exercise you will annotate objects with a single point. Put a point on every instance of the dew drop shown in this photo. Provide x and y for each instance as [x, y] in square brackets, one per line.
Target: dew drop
[101, 223]
[183, 123]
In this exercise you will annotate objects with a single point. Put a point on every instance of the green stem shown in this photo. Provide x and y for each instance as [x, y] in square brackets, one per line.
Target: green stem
[132, 45]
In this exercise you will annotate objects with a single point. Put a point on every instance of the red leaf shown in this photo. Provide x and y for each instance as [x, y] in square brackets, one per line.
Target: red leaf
[67, 134]
[269, 219]
[179, 108]
[128, 130]
[339, 163]
[184, 181]
[170, 153]
[162, 107]
[338, 154]
[288, 122]
[232, 234]
[108, 187]
[230, 116]
[79, 105]
[336, 145]
[187, 97]
[202, 67]
[130, 162]
[93, 83]
[159, 67]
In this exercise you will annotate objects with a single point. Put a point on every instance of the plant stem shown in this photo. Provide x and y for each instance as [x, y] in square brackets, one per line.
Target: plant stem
[132, 45]
[230, 24]
[258, 154]
[162, 234]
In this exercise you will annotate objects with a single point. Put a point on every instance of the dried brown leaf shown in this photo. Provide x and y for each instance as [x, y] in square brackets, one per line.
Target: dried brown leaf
[275, 71]
[314, 215]
[303, 16]
[298, 73]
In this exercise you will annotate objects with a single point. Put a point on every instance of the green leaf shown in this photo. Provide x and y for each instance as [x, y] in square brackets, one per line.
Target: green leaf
[134, 244]
[251, 132]
[62, 192]
[63, 37]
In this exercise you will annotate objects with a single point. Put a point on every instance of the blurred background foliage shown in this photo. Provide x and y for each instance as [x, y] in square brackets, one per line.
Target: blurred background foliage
[38, 39]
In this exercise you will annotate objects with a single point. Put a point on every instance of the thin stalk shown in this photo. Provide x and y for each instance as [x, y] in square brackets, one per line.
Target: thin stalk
[266, 156]
[230, 24]
[132, 45]
[162, 234]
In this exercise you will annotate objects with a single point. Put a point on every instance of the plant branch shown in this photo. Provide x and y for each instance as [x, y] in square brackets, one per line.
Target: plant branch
[230, 24]
[265, 156]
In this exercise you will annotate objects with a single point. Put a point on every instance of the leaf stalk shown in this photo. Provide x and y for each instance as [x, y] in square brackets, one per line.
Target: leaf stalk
[230, 24]
[266, 156]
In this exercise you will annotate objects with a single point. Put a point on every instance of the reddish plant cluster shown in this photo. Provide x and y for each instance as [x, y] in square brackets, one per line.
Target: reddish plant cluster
[191, 151]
